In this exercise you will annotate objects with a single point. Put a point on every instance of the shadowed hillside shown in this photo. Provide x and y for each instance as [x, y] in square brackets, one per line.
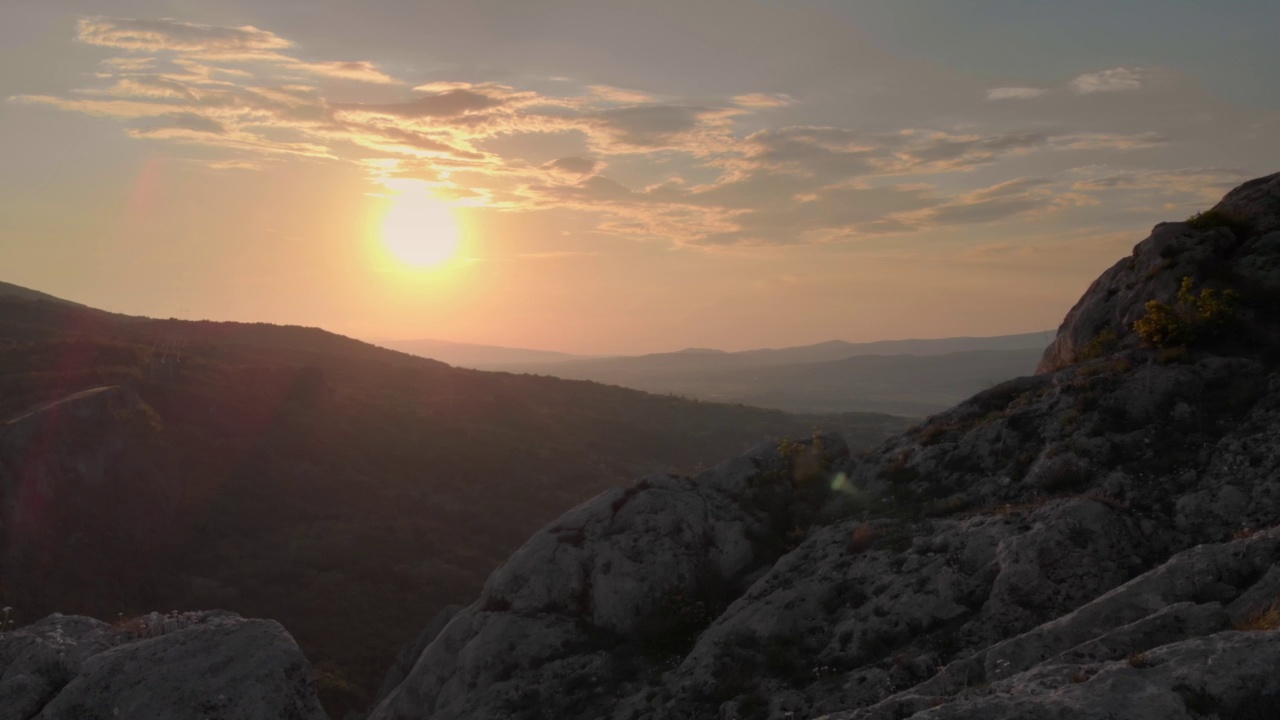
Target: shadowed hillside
[346, 490]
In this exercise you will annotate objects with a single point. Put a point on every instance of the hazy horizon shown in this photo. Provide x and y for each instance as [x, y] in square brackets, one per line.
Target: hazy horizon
[378, 341]
[616, 179]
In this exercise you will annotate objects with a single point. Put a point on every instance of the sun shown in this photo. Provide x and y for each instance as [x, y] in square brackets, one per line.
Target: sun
[420, 230]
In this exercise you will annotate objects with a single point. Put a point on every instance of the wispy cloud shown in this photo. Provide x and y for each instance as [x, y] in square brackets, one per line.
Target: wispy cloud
[1195, 184]
[359, 70]
[763, 100]
[172, 35]
[210, 42]
[1114, 80]
[713, 179]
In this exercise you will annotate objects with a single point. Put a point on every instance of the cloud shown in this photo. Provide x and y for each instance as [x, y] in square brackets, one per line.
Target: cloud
[449, 103]
[837, 153]
[763, 100]
[620, 95]
[1109, 141]
[358, 70]
[157, 35]
[642, 128]
[572, 168]
[240, 44]
[989, 204]
[128, 63]
[1119, 79]
[1015, 93]
[711, 177]
[148, 86]
[1185, 185]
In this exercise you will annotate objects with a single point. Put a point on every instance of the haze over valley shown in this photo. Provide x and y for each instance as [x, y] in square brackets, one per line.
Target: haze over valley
[902, 377]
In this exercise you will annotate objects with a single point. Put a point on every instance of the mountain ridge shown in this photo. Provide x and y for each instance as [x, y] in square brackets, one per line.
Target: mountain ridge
[813, 352]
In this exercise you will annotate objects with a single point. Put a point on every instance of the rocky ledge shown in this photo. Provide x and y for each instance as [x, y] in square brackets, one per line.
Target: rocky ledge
[1098, 540]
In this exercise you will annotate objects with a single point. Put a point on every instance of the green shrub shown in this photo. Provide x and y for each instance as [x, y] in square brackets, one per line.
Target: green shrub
[1194, 317]
[1162, 326]
[1214, 218]
[1103, 344]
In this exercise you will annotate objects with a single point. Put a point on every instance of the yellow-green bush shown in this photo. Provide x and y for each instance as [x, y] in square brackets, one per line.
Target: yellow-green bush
[1210, 219]
[1194, 317]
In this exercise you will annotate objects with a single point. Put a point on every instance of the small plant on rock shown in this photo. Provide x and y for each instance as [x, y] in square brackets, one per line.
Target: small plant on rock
[1194, 317]
[1214, 218]
[1139, 660]
[1103, 344]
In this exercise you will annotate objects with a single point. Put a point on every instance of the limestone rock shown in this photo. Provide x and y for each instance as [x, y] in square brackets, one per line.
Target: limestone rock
[1235, 246]
[189, 665]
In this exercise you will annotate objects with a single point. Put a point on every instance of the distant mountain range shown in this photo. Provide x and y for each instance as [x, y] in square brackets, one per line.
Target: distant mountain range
[477, 357]
[904, 377]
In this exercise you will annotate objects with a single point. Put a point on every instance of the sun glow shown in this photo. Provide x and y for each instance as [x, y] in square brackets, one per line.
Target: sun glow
[420, 230]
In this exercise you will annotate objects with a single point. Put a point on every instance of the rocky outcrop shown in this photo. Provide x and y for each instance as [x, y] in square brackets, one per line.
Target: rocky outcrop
[1234, 245]
[1201, 617]
[189, 665]
[409, 654]
[616, 585]
[1059, 546]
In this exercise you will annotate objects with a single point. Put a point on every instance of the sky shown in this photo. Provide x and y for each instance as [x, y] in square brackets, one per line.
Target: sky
[617, 177]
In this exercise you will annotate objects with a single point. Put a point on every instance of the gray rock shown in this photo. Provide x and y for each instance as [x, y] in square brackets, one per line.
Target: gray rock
[410, 653]
[190, 665]
[632, 574]
[1235, 244]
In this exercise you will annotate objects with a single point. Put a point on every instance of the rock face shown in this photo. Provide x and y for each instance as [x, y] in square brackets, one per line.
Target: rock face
[190, 665]
[1098, 540]
[1235, 245]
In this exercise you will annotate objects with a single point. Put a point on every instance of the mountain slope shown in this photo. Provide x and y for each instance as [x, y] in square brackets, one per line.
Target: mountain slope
[1098, 540]
[348, 491]
[16, 291]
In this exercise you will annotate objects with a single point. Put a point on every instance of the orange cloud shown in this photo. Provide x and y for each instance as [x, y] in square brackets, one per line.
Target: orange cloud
[763, 100]
[172, 35]
[237, 89]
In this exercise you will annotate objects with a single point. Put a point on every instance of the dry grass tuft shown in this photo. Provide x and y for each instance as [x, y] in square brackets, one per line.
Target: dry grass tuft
[1262, 619]
[1139, 660]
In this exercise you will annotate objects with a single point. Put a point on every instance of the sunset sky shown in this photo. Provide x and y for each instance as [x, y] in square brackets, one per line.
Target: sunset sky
[624, 176]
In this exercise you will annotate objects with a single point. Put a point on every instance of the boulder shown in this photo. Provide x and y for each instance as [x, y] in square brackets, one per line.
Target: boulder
[196, 665]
